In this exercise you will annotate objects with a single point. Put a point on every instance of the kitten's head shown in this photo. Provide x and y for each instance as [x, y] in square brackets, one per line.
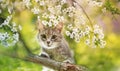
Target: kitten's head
[49, 38]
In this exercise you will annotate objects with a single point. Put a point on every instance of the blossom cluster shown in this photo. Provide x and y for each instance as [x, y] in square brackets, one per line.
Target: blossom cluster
[94, 40]
[98, 38]
[6, 5]
[70, 11]
[9, 37]
[53, 20]
[75, 33]
[52, 12]
[27, 3]
[95, 3]
[35, 10]
[6, 22]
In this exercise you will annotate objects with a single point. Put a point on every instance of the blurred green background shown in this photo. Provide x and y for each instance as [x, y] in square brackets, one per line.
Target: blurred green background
[96, 59]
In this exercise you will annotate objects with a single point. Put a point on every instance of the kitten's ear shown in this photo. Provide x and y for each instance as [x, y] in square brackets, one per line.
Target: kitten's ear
[40, 26]
[59, 26]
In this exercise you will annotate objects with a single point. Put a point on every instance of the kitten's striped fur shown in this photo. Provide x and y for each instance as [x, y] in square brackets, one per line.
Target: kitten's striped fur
[53, 44]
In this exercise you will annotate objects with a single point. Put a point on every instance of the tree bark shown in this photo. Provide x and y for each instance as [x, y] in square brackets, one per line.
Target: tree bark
[60, 66]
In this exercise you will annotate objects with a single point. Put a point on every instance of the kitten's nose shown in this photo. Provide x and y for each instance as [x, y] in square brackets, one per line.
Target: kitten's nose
[48, 42]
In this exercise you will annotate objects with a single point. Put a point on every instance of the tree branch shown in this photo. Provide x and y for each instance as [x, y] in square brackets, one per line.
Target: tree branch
[60, 66]
[71, 2]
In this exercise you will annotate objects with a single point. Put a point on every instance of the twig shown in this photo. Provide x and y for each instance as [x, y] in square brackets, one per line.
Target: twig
[72, 1]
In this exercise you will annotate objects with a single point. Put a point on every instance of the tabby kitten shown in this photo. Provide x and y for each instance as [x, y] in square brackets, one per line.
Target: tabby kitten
[53, 44]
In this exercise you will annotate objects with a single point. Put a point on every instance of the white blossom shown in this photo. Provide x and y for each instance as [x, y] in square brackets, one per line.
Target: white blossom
[10, 9]
[101, 36]
[87, 41]
[99, 4]
[35, 10]
[103, 43]
[52, 16]
[70, 26]
[16, 37]
[27, 3]
[20, 27]
[72, 35]
[77, 40]
[44, 22]
[51, 10]
[96, 26]
[58, 9]
[69, 10]
[14, 24]
[68, 33]
[38, 17]
[71, 14]
[63, 2]
[97, 30]
[3, 36]
[95, 3]
[60, 18]
[50, 24]
[87, 30]
[42, 3]
[14, 29]
[45, 15]
[77, 36]
[55, 22]
[81, 34]
[75, 30]
[104, 10]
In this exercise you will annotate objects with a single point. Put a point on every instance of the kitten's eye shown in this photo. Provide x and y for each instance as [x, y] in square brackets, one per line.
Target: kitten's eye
[54, 37]
[43, 36]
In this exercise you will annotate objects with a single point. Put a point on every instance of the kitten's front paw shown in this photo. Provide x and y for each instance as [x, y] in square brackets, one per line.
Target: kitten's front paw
[67, 61]
[43, 54]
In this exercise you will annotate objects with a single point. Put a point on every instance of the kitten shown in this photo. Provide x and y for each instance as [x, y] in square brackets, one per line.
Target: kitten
[53, 44]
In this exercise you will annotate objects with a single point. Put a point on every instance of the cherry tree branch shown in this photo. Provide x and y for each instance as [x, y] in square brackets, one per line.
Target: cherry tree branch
[60, 66]
[85, 13]
[71, 2]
